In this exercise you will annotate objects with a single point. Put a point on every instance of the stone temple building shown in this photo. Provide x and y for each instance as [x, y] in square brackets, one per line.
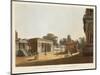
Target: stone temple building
[33, 46]
[88, 30]
[71, 46]
[22, 46]
[39, 46]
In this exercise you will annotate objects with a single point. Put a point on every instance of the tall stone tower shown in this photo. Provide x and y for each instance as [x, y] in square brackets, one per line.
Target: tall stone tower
[88, 30]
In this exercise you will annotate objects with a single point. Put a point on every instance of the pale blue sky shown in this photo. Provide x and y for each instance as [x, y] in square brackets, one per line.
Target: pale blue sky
[36, 20]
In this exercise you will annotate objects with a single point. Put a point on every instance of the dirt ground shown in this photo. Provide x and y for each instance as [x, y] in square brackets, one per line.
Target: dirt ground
[51, 59]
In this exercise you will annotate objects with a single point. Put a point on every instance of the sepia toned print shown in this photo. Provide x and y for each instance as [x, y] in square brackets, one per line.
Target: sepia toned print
[52, 34]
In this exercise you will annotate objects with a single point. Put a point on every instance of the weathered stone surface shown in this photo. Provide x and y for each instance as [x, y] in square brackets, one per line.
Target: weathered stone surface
[88, 30]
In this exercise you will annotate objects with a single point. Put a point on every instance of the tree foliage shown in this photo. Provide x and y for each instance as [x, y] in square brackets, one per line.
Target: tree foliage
[82, 42]
[51, 37]
[63, 41]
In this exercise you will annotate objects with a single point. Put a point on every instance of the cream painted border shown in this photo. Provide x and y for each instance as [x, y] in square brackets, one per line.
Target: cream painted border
[51, 67]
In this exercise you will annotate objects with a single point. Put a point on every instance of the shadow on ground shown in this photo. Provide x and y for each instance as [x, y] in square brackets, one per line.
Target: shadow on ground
[71, 60]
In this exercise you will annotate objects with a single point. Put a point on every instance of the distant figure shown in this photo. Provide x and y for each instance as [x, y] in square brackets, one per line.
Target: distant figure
[36, 55]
